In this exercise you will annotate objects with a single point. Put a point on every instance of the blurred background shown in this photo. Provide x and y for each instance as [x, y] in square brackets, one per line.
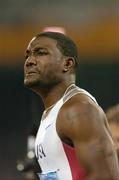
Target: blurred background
[94, 26]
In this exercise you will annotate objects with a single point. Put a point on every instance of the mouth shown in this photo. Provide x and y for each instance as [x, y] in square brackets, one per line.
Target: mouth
[31, 72]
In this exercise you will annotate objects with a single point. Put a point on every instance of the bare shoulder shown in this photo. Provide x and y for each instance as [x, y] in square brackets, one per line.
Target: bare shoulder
[80, 116]
[82, 124]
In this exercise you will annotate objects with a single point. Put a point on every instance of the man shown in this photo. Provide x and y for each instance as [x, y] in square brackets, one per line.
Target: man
[73, 141]
[113, 118]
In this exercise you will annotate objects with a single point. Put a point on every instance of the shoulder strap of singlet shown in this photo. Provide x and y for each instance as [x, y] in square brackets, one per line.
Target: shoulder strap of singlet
[73, 91]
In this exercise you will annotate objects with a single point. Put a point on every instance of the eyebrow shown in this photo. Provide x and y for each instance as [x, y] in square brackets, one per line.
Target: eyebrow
[35, 50]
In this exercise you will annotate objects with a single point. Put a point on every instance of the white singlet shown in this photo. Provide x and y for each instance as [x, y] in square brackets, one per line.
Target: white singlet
[53, 155]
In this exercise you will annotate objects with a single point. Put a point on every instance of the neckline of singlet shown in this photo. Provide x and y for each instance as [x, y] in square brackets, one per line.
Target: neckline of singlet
[69, 92]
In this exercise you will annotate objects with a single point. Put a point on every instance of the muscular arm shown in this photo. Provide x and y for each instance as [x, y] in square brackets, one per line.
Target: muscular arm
[83, 123]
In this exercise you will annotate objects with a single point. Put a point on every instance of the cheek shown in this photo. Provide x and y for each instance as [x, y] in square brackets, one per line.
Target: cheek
[52, 69]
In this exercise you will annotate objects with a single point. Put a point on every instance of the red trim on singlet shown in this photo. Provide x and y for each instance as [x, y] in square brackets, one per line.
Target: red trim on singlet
[77, 172]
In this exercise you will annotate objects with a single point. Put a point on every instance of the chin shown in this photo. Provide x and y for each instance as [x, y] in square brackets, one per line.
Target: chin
[30, 83]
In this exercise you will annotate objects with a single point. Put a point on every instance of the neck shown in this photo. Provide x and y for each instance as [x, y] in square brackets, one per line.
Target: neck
[51, 95]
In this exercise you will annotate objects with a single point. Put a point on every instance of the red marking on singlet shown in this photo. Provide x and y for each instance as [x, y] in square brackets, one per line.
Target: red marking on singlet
[77, 172]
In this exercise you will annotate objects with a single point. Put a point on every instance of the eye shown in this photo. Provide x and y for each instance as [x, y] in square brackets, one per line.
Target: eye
[41, 53]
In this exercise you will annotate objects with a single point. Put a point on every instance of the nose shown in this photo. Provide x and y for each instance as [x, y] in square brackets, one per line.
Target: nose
[31, 60]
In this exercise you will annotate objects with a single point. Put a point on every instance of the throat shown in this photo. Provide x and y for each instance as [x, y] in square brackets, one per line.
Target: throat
[47, 110]
[53, 95]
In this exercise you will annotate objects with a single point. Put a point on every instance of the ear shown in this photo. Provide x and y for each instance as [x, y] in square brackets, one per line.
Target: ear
[69, 63]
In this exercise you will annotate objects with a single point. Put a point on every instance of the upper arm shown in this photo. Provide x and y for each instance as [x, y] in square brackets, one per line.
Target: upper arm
[84, 126]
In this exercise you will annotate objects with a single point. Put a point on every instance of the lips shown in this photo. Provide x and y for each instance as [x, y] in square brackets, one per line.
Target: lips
[30, 72]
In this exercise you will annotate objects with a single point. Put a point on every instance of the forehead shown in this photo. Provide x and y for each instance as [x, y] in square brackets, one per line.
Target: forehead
[43, 42]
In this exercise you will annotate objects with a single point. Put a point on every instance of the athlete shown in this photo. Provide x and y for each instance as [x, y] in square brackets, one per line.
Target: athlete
[73, 141]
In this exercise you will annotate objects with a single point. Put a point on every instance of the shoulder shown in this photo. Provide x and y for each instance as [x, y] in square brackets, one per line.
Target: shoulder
[79, 115]
[82, 124]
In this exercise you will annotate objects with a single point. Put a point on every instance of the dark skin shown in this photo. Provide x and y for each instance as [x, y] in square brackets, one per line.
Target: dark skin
[114, 127]
[80, 123]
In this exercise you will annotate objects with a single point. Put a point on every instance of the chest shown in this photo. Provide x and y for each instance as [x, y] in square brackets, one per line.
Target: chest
[47, 142]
